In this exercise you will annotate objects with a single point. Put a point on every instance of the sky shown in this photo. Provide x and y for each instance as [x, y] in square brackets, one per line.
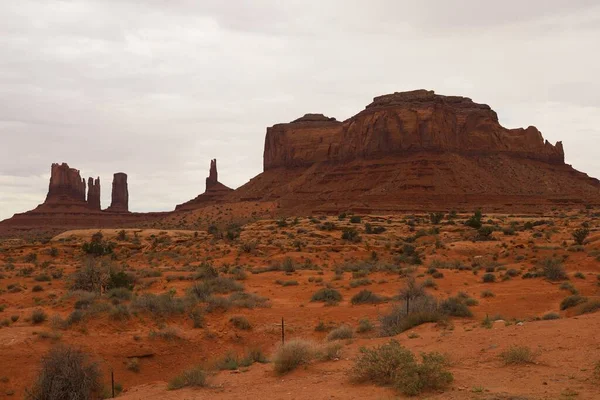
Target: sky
[156, 88]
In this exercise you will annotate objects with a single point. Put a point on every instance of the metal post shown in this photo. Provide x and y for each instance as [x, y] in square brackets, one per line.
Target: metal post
[282, 332]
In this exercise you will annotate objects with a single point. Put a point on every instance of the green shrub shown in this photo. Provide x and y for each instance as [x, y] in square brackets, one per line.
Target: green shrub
[293, 354]
[341, 332]
[97, 246]
[392, 364]
[37, 288]
[351, 235]
[516, 355]
[327, 295]
[355, 219]
[423, 310]
[436, 217]
[489, 278]
[580, 235]
[455, 307]
[550, 316]
[475, 220]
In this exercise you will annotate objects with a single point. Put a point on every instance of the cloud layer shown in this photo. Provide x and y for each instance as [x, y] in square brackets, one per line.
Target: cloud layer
[157, 88]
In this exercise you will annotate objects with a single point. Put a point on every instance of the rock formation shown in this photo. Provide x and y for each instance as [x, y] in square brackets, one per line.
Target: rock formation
[215, 191]
[93, 198]
[400, 124]
[66, 185]
[120, 194]
[414, 151]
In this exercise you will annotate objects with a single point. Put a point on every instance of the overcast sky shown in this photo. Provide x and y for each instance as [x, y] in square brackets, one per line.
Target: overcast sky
[156, 88]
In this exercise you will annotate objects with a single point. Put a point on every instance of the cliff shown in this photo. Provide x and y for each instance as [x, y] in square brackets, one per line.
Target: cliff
[400, 124]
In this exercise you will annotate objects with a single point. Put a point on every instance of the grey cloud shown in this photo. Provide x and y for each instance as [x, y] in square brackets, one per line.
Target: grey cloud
[158, 88]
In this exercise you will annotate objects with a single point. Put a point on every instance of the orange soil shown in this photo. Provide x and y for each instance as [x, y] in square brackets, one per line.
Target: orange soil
[568, 348]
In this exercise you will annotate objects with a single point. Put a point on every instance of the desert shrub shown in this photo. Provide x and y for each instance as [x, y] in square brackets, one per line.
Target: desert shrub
[120, 293]
[91, 277]
[455, 307]
[120, 279]
[240, 322]
[166, 333]
[162, 304]
[97, 246]
[355, 219]
[579, 275]
[219, 285]
[423, 309]
[197, 318]
[42, 278]
[489, 278]
[366, 297]
[550, 316]
[569, 286]
[580, 235]
[351, 235]
[66, 373]
[436, 217]
[293, 354]
[218, 303]
[392, 364]
[553, 269]
[572, 301]
[193, 377]
[133, 364]
[53, 252]
[485, 233]
[475, 220]
[341, 332]
[589, 307]
[329, 352]
[248, 300]
[364, 325]
[327, 226]
[206, 271]
[119, 313]
[327, 295]
[249, 247]
[38, 316]
[487, 293]
[37, 288]
[515, 355]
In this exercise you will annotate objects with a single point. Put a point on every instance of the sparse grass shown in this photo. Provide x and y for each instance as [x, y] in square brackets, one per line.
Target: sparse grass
[240, 322]
[291, 355]
[588, 307]
[392, 364]
[516, 355]
[168, 333]
[193, 377]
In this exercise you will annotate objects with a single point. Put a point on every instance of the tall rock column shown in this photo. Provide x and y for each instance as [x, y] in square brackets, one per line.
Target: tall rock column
[94, 193]
[120, 193]
[212, 174]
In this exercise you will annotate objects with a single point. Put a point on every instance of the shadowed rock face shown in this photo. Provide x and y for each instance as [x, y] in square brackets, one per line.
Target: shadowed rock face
[94, 193]
[404, 123]
[215, 191]
[66, 185]
[120, 194]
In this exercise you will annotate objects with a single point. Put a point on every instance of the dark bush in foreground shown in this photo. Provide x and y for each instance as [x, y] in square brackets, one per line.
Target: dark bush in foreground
[366, 297]
[66, 374]
[392, 364]
[553, 269]
[423, 310]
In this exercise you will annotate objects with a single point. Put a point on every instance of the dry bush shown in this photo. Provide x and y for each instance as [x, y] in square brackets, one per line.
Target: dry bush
[193, 377]
[66, 374]
[341, 332]
[516, 355]
[293, 354]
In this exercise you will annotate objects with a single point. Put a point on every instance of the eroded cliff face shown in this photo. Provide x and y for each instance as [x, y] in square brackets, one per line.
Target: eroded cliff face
[404, 123]
[66, 185]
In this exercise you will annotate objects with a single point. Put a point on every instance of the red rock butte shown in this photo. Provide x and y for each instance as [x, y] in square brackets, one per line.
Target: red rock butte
[414, 151]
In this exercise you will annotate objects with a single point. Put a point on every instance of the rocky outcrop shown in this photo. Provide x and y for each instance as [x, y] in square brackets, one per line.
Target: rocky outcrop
[93, 198]
[414, 151]
[215, 191]
[120, 194]
[66, 185]
[404, 123]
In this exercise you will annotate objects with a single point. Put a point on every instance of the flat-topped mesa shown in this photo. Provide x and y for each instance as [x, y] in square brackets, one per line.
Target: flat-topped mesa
[120, 194]
[93, 198]
[214, 192]
[66, 185]
[404, 123]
